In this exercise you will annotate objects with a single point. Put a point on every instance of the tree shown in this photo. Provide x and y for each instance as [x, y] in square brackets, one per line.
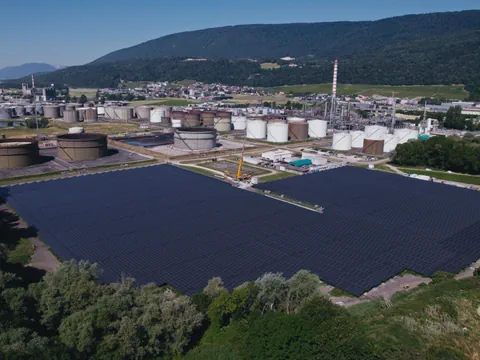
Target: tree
[454, 118]
[98, 94]
[272, 291]
[83, 99]
[130, 97]
[302, 287]
[214, 288]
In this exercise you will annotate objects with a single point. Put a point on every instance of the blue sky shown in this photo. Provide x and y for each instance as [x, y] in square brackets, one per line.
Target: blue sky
[76, 32]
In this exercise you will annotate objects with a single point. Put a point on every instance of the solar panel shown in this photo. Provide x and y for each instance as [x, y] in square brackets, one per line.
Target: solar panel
[164, 224]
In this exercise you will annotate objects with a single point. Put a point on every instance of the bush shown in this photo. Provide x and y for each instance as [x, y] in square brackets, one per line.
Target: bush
[10, 123]
[441, 276]
[32, 124]
[22, 253]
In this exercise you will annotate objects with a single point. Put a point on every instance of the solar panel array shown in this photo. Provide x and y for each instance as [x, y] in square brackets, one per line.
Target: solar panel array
[167, 225]
[391, 223]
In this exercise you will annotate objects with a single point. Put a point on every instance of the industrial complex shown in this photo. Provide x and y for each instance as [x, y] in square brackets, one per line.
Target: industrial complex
[280, 189]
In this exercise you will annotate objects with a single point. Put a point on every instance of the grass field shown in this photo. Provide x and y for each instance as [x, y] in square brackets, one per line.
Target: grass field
[440, 91]
[89, 93]
[166, 101]
[57, 127]
[442, 175]
[269, 66]
[278, 176]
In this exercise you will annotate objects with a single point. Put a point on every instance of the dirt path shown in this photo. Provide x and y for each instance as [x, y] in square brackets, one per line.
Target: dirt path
[43, 258]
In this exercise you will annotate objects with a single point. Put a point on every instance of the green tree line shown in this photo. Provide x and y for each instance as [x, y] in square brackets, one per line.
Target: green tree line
[444, 153]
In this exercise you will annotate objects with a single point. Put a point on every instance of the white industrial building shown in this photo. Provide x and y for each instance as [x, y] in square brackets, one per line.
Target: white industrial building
[278, 155]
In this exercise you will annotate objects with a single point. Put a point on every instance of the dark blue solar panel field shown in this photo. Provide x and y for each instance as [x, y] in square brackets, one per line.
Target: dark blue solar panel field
[167, 225]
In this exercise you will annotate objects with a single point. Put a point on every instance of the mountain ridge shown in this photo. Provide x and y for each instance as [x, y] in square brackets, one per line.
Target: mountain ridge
[324, 40]
[19, 71]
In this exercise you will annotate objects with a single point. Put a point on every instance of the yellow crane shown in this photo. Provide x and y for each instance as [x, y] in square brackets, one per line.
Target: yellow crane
[239, 175]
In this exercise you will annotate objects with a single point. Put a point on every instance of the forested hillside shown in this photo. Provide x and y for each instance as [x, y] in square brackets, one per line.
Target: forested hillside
[317, 40]
[416, 50]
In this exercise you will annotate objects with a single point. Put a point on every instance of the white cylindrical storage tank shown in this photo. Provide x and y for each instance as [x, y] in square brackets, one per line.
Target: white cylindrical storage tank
[239, 122]
[317, 128]
[390, 143]
[295, 119]
[256, 129]
[222, 124]
[176, 123]
[70, 116]
[76, 130]
[342, 141]
[51, 111]
[277, 132]
[404, 135]
[101, 110]
[156, 115]
[413, 135]
[375, 132]
[357, 139]
[143, 111]
[110, 112]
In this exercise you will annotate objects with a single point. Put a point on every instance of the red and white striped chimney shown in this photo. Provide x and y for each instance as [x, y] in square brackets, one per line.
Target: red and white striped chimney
[335, 72]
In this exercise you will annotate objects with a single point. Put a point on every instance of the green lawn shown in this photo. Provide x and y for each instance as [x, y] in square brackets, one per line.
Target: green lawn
[168, 102]
[197, 170]
[440, 91]
[442, 175]
[279, 176]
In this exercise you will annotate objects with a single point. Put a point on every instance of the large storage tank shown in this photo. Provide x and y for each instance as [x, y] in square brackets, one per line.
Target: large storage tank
[375, 132]
[101, 110]
[239, 122]
[80, 147]
[119, 112]
[82, 114]
[91, 115]
[5, 114]
[30, 110]
[39, 109]
[390, 144]
[195, 139]
[373, 147]
[298, 130]
[256, 129]
[177, 118]
[124, 113]
[342, 142]
[110, 112]
[191, 120]
[404, 135]
[317, 128]
[20, 110]
[277, 132]
[207, 118]
[70, 116]
[61, 109]
[158, 113]
[51, 111]
[176, 123]
[357, 139]
[143, 112]
[223, 121]
[293, 119]
[17, 153]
